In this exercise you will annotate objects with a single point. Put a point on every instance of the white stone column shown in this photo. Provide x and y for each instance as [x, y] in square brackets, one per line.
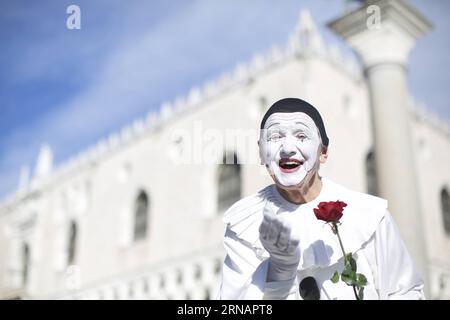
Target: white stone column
[382, 33]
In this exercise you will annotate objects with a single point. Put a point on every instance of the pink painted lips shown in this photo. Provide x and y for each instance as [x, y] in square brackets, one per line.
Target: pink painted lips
[288, 165]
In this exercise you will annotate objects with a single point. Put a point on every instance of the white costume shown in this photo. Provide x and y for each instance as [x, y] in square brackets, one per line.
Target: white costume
[367, 230]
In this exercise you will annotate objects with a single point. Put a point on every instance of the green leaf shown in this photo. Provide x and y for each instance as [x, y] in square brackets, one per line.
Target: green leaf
[361, 293]
[351, 261]
[348, 256]
[347, 270]
[335, 277]
[361, 280]
[349, 279]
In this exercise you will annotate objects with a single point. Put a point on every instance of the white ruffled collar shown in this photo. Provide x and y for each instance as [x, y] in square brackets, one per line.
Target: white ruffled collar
[320, 247]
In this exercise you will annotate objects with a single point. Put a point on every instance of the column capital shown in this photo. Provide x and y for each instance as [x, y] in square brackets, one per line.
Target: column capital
[381, 31]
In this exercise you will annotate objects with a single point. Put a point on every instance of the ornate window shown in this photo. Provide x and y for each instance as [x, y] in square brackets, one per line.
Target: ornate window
[371, 174]
[197, 272]
[445, 207]
[229, 182]
[72, 244]
[207, 294]
[217, 266]
[25, 263]
[263, 104]
[141, 216]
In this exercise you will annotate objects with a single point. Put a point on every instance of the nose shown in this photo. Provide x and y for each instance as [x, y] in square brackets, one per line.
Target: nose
[288, 148]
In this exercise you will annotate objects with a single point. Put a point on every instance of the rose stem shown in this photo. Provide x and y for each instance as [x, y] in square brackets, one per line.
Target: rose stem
[335, 230]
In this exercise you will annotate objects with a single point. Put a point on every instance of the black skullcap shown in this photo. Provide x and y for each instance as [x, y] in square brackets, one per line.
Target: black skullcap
[289, 105]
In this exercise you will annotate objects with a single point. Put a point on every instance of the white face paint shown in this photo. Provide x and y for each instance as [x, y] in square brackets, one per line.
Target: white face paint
[289, 145]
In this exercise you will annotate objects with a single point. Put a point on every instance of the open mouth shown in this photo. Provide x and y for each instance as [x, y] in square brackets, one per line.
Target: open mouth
[289, 165]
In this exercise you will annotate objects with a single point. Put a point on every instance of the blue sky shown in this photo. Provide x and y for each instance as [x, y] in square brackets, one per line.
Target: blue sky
[70, 88]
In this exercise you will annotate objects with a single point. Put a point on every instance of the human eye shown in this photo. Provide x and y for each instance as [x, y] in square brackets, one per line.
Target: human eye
[274, 136]
[301, 136]
[276, 133]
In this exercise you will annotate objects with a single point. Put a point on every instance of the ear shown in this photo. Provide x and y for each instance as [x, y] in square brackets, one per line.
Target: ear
[323, 154]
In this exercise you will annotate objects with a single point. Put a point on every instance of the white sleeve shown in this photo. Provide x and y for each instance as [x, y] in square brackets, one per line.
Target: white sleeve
[398, 278]
[244, 274]
[281, 290]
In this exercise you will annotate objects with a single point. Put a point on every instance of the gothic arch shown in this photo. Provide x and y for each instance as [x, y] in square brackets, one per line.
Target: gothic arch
[72, 243]
[229, 181]
[371, 173]
[141, 215]
[445, 208]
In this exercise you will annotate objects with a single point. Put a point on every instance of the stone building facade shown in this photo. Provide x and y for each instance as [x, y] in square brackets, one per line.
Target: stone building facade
[139, 214]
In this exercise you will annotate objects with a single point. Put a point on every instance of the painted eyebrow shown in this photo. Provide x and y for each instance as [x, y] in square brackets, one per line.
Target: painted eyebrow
[272, 124]
[303, 124]
[300, 123]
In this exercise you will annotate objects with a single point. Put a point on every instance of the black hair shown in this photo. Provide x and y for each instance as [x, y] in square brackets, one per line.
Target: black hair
[288, 105]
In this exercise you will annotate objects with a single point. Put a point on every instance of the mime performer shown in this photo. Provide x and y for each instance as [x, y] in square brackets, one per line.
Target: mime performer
[274, 241]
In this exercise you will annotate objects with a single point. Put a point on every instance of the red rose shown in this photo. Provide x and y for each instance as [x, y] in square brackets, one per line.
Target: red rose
[330, 211]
